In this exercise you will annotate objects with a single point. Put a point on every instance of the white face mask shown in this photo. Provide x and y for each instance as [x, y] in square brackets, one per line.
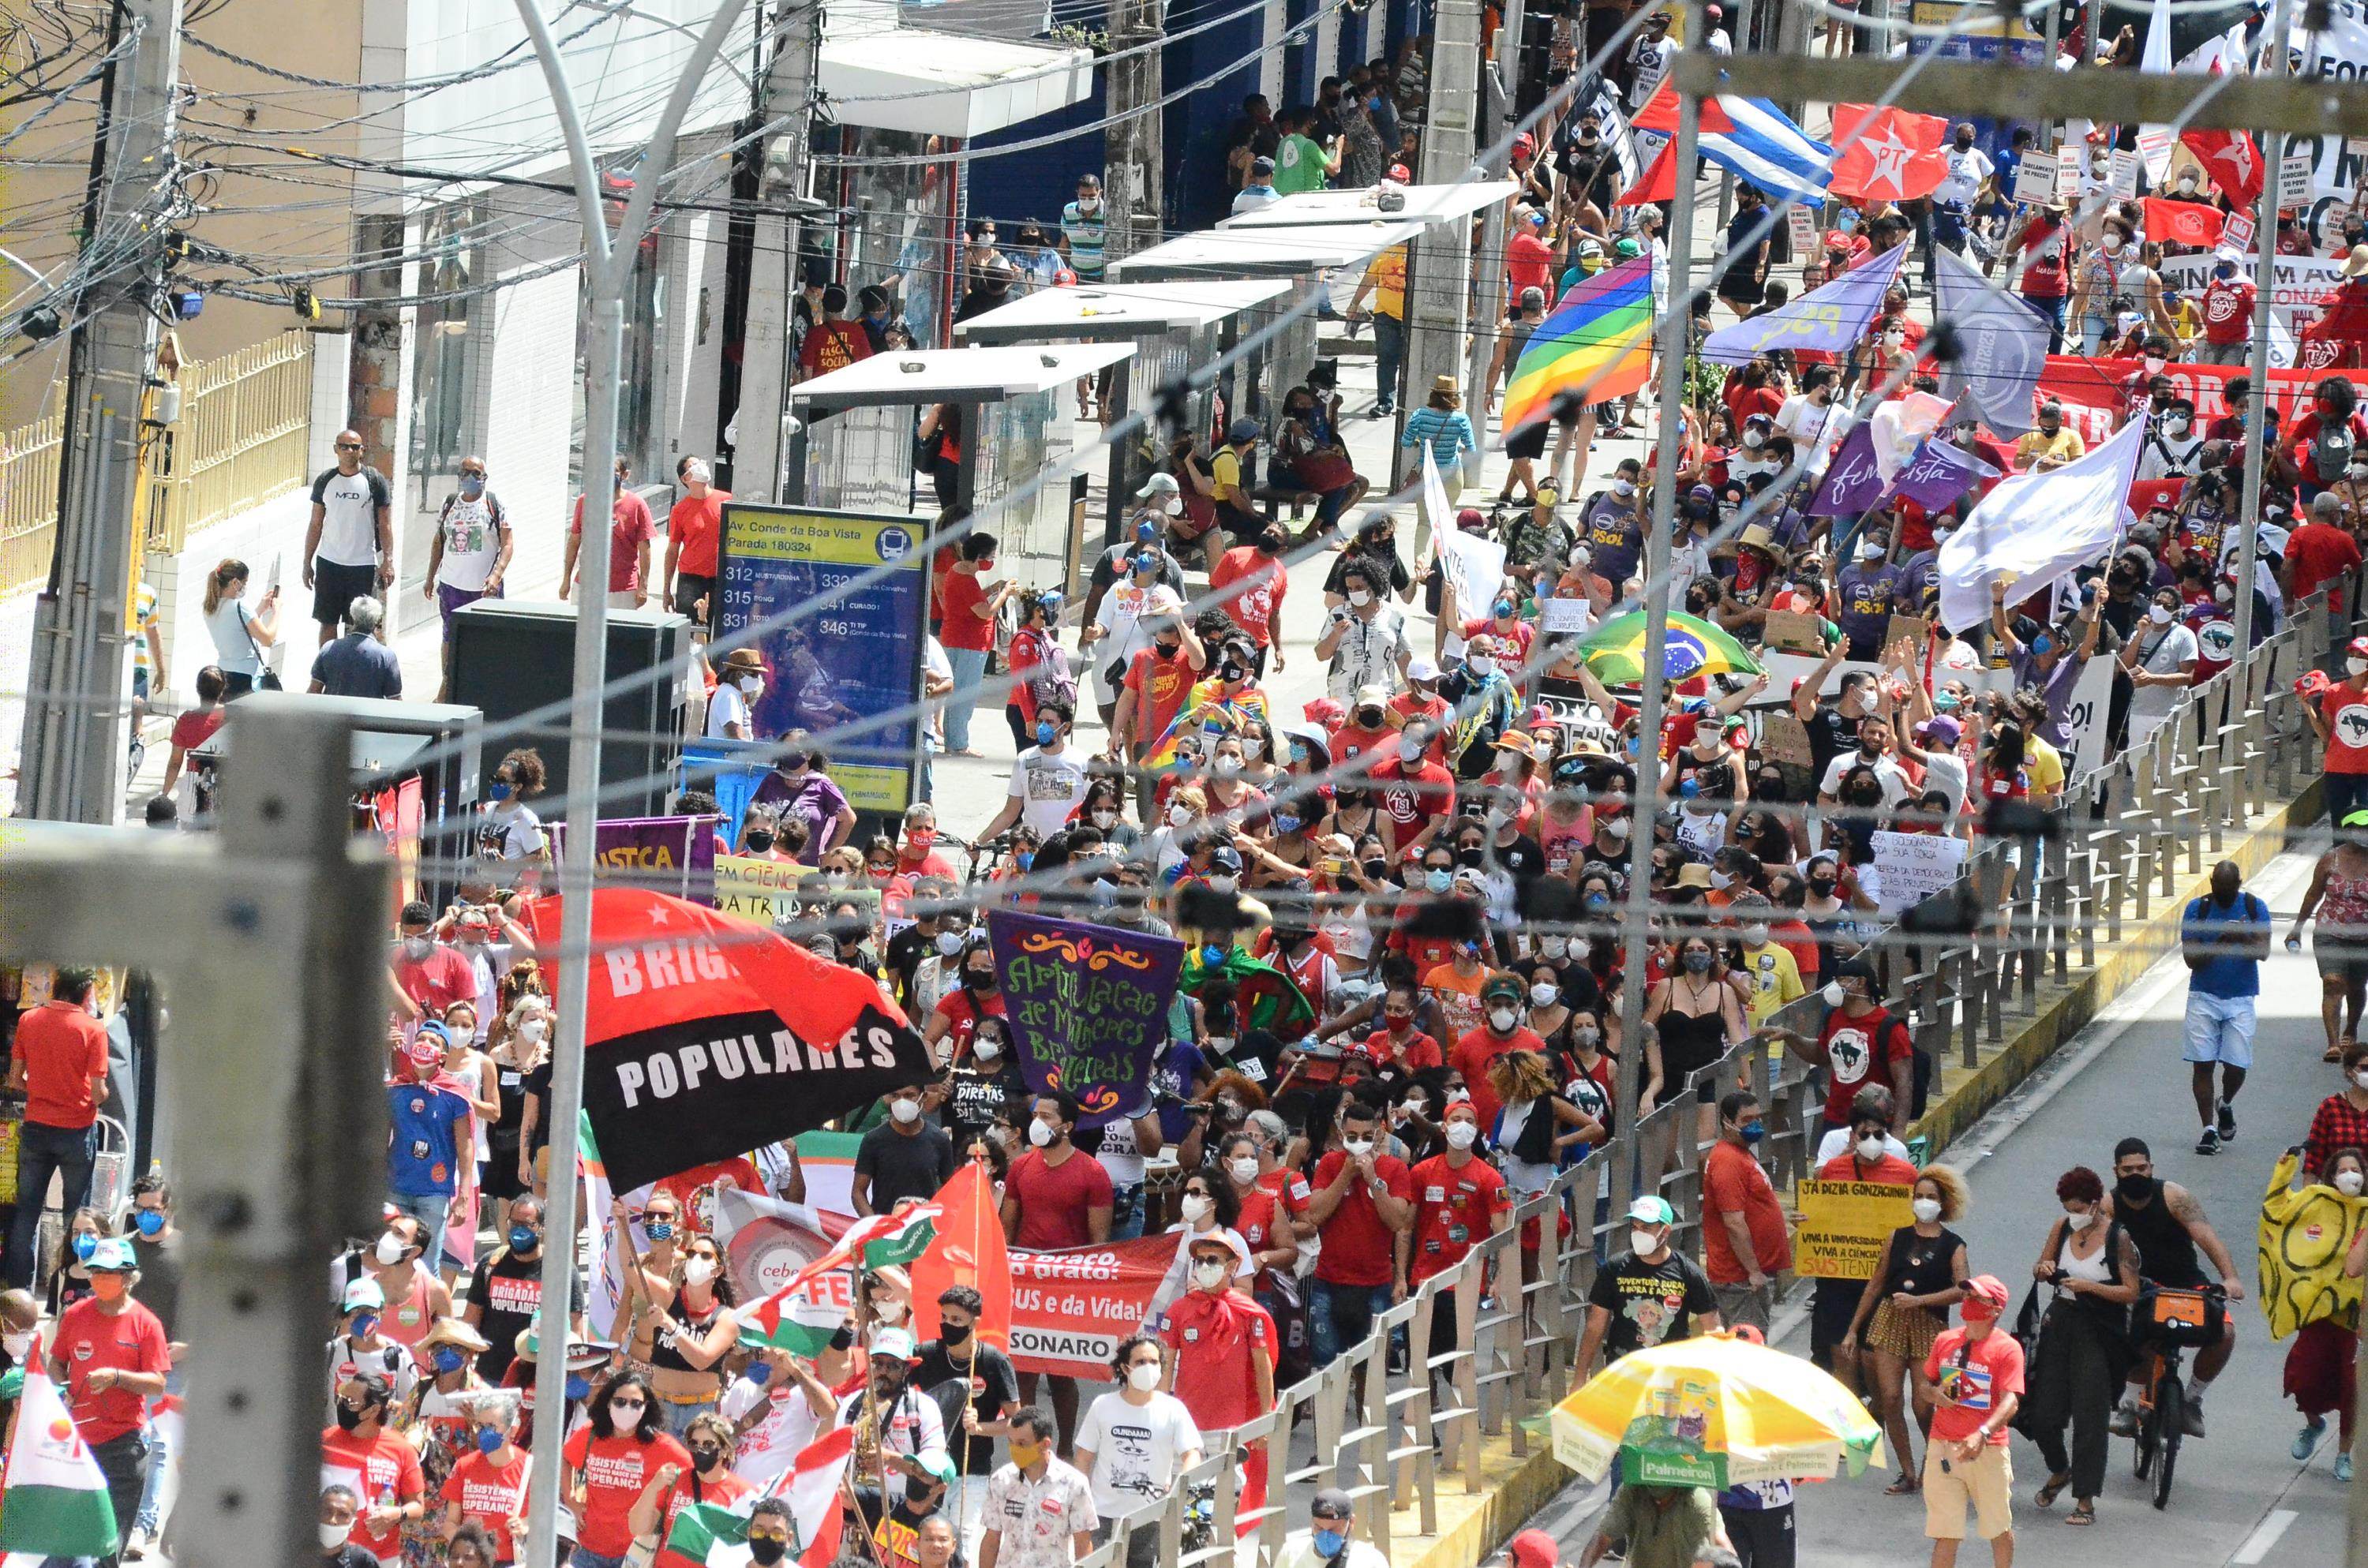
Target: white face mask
[1754, 440]
[335, 1535]
[1361, 597]
[2346, 1183]
[16, 1343]
[1755, 936]
[2361, 1077]
[1358, 1147]
[1833, 994]
[1245, 1169]
[986, 1048]
[1461, 1134]
[1483, 668]
[2159, 615]
[1544, 995]
[1210, 1276]
[531, 1031]
[2356, 666]
[1640, 1241]
[1870, 1148]
[1143, 1375]
[1105, 820]
[1502, 1019]
[389, 1250]
[2112, 240]
[1623, 489]
[949, 943]
[2080, 1222]
[1927, 1209]
[1177, 815]
[905, 1110]
[752, 685]
[698, 1270]
[1040, 1133]
[1227, 766]
[1193, 1208]
[1409, 751]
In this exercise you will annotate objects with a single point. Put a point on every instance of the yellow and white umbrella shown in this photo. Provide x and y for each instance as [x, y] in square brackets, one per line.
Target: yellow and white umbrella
[1714, 1411]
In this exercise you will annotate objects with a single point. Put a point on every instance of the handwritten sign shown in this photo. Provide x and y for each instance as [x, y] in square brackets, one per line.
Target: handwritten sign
[2236, 233]
[2293, 179]
[1795, 632]
[1570, 616]
[2084, 716]
[1912, 866]
[1915, 627]
[2125, 173]
[1801, 228]
[1844, 1225]
[1087, 1006]
[2034, 179]
[755, 888]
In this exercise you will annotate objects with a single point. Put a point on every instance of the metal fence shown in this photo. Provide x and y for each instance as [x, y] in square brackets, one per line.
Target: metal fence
[241, 439]
[2234, 746]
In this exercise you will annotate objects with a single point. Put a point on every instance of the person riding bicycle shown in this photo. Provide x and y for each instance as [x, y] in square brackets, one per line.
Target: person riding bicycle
[2168, 1225]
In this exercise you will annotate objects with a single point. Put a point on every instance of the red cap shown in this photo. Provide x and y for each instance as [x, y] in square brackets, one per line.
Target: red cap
[1398, 172]
[1524, 144]
[1535, 1548]
[1471, 518]
[1985, 1298]
[2357, 647]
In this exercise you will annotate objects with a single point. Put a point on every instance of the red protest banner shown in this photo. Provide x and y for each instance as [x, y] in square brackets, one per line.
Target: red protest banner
[2182, 223]
[2095, 386]
[1071, 1306]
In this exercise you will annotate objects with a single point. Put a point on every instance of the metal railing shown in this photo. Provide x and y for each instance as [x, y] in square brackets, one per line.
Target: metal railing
[28, 501]
[243, 438]
[2129, 830]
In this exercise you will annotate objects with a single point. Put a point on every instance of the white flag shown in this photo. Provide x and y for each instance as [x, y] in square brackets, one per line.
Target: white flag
[2035, 527]
[2155, 142]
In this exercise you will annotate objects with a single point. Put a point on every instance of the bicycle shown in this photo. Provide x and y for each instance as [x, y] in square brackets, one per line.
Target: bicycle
[2175, 1321]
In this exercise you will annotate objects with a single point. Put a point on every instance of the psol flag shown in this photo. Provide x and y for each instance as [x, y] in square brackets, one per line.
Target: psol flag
[706, 1037]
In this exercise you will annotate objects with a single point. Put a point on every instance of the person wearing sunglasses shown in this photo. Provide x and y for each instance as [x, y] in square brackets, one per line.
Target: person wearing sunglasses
[770, 1530]
[349, 544]
[468, 553]
[609, 1461]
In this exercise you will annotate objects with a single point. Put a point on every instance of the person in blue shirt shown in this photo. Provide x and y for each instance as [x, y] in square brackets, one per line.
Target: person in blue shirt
[2223, 937]
[428, 1127]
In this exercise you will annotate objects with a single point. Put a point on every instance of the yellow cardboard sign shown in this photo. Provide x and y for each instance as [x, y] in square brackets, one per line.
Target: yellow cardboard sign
[755, 888]
[1843, 1226]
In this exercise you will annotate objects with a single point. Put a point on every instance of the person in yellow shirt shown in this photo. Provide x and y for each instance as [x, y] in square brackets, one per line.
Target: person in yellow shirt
[1775, 976]
[2053, 445]
[1384, 284]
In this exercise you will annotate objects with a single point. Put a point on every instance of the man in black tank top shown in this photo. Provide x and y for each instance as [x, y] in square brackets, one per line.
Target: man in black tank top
[2168, 1226]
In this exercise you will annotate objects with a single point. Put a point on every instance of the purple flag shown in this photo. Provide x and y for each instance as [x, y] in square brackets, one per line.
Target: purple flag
[1829, 318]
[1852, 481]
[1087, 1005]
[674, 855]
[1939, 474]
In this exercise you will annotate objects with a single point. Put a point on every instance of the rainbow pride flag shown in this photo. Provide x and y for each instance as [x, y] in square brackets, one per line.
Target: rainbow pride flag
[1597, 342]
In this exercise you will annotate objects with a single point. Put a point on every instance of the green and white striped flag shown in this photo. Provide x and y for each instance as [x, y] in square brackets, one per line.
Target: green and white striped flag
[711, 1533]
[56, 1504]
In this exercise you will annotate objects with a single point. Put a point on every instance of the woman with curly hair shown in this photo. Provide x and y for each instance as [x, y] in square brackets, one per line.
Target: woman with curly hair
[1920, 1276]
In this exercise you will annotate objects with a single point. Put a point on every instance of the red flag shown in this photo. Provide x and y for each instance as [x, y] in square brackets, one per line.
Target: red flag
[1660, 112]
[2182, 223]
[1887, 153]
[1658, 183]
[2232, 161]
[969, 1249]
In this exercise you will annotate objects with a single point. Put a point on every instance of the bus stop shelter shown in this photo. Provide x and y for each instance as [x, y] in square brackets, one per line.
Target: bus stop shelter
[852, 443]
[1298, 254]
[1174, 327]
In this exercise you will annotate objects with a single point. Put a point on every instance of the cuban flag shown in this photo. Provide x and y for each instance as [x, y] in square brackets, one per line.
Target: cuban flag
[1752, 138]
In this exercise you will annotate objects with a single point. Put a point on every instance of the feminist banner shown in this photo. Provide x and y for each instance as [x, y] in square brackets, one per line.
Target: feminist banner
[1087, 1006]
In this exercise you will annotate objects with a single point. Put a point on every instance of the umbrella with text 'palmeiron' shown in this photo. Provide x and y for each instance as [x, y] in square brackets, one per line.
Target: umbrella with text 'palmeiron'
[1714, 1411]
[1615, 651]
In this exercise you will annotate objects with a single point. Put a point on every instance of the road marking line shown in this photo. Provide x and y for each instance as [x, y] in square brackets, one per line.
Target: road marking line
[2265, 1536]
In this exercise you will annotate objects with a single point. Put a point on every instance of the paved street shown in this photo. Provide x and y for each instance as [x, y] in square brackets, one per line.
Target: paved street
[2240, 1498]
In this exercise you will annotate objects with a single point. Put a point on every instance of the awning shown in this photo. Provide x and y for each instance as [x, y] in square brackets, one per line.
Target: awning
[937, 83]
[1432, 203]
[1289, 252]
[956, 375]
[1105, 311]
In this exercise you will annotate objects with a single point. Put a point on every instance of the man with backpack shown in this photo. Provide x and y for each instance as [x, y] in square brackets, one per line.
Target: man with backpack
[1860, 1042]
[2223, 937]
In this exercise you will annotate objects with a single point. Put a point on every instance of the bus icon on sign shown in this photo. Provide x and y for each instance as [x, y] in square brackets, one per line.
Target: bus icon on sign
[893, 543]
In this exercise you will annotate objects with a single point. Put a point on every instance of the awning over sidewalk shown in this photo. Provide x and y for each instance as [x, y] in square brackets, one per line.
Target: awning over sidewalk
[935, 84]
[1429, 203]
[916, 375]
[1287, 252]
[1106, 311]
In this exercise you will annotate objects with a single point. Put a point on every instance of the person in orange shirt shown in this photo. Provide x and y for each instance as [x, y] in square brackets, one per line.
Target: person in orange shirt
[694, 534]
[59, 1065]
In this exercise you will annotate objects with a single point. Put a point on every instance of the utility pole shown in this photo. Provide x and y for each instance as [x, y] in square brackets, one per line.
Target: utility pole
[1131, 152]
[1438, 274]
[76, 737]
[1485, 332]
[787, 100]
[608, 271]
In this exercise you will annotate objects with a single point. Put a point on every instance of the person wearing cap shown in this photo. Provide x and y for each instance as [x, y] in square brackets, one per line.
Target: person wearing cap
[1384, 284]
[897, 1536]
[1439, 429]
[428, 1122]
[1234, 480]
[901, 1424]
[1329, 1540]
[1039, 1510]
[1136, 1441]
[1648, 58]
[1258, 190]
[1976, 1374]
[1220, 1345]
[361, 1452]
[1501, 1027]
[362, 1345]
[1647, 1294]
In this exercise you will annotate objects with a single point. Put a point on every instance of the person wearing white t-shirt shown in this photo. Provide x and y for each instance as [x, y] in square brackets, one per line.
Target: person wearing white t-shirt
[350, 545]
[1968, 169]
[1047, 782]
[739, 682]
[1814, 417]
[1134, 1442]
[2159, 659]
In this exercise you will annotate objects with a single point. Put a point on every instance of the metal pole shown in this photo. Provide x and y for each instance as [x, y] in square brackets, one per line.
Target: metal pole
[1491, 270]
[609, 267]
[1676, 325]
[2256, 365]
[2046, 138]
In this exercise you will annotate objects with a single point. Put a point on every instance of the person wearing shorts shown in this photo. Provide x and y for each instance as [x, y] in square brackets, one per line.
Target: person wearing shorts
[2223, 937]
[349, 546]
[1975, 1375]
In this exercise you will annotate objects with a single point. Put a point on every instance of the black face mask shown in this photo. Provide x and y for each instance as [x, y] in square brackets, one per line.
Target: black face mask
[978, 980]
[766, 1551]
[2134, 1188]
[953, 1332]
[759, 843]
[348, 1418]
[704, 1457]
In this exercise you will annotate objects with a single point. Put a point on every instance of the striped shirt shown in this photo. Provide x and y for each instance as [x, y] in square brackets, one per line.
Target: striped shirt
[1444, 430]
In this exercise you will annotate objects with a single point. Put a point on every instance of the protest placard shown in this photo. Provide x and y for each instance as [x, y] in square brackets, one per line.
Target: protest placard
[1795, 632]
[1844, 1225]
[2034, 179]
[1912, 866]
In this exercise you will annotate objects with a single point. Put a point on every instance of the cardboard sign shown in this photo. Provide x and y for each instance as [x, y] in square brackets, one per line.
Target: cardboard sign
[1844, 1225]
[1573, 616]
[2236, 233]
[1915, 627]
[1801, 226]
[2125, 174]
[1784, 741]
[1791, 631]
[2034, 179]
[1912, 867]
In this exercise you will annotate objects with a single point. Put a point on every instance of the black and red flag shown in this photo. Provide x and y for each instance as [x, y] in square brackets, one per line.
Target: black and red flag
[706, 1036]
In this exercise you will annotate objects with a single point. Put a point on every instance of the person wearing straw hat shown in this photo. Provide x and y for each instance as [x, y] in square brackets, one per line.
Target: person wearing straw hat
[739, 682]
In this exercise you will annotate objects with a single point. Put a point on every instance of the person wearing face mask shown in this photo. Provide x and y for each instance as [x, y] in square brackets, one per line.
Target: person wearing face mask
[1613, 524]
[1645, 1295]
[1460, 1200]
[958, 1354]
[984, 1083]
[1360, 1199]
[682, 1332]
[977, 995]
[436, 1415]
[707, 1480]
[1417, 796]
[1041, 1512]
[1135, 1442]
[2051, 445]
[361, 1453]
[1056, 1195]
[2093, 1269]
[1976, 1373]
[507, 1289]
[1859, 1043]
[429, 1121]
[1865, 594]
[2174, 447]
[2322, 554]
[428, 975]
[1364, 636]
[1502, 1030]
[468, 553]
[487, 1486]
[2302, 1222]
[608, 1462]
[2339, 714]
[1903, 1307]
[2341, 1119]
[1745, 1242]
[2169, 1226]
[901, 1156]
[2159, 662]
[1220, 1348]
[362, 1345]
[2223, 937]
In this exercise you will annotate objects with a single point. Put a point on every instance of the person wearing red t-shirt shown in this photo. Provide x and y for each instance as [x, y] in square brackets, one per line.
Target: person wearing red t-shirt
[1365, 729]
[1360, 1198]
[1745, 1242]
[1415, 793]
[1152, 692]
[58, 1064]
[429, 975]
[1399, 1044]
[1250, 582]
[1529, 260]
[489, 1484]
[109, 1353]
[2340, 717]
[916, 848]
[2343, 320]
[672, 1488]
[377, 1466]
[2329, 437]
[1420, 703]
[2227, 309]
[833, 342]
[1861, 1042]
[694, 535]
[608, 1462]
[1833, 1305]
[1502, 1031]
[2320, 551]
[1220, 1347]
[1976, 1376]
[196, 727]
[1056, 1197]
[967, 601]
[1459, 1200]
[629, 531]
